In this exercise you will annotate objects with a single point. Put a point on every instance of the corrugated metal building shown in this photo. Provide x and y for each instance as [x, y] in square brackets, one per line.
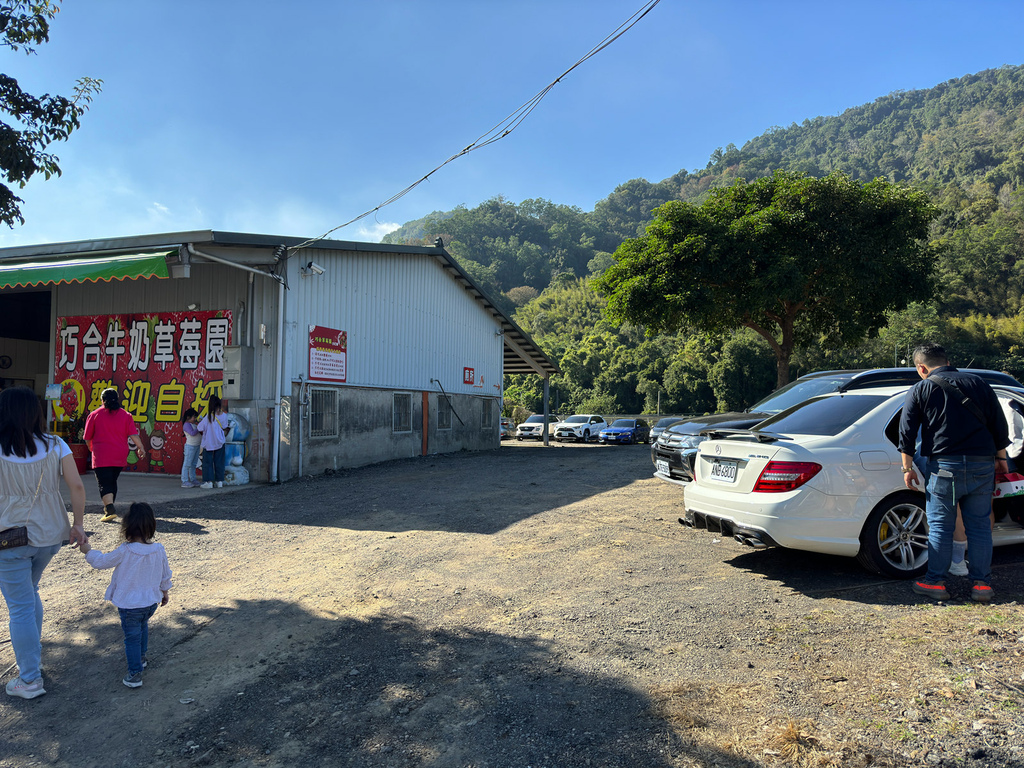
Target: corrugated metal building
[338, 354]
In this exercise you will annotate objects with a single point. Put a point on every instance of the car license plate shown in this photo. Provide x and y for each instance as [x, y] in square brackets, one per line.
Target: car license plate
[662, 466]
[723, 471]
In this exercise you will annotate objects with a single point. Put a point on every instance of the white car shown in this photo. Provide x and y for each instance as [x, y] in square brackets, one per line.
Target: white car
[583, 427]
[533, 427]
[824, 476]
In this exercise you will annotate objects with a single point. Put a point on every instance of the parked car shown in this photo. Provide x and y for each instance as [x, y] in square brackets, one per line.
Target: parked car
[533, 427]
[662, 424]
[505, 429]
[824, 476]
[675, 450]
[626, 431]
[581, 428]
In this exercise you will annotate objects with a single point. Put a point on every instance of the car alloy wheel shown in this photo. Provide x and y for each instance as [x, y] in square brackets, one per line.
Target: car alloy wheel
[894, 540]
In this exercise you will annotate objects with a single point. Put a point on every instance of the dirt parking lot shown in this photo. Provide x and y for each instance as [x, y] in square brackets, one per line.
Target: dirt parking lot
[526, 606]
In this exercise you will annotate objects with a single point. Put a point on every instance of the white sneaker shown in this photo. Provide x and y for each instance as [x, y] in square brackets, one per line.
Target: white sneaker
[21, 689]
[958, 569]
[219, 484]
[206, 485]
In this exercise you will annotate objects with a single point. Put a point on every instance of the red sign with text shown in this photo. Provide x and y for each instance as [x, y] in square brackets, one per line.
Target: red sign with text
[328, 354]
[468, 375]
[161, 363]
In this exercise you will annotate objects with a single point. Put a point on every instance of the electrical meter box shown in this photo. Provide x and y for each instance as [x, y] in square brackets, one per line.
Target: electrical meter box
[238, 373]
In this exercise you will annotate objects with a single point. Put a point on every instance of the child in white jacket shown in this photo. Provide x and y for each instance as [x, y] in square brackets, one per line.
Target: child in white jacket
[141, 581]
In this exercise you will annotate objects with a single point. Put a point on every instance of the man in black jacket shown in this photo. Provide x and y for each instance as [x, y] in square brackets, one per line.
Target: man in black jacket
[964, 439]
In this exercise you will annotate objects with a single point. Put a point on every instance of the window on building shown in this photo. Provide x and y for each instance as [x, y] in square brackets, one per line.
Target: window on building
[323, 412]
[402, 421]
[444, 413]
[487, 417]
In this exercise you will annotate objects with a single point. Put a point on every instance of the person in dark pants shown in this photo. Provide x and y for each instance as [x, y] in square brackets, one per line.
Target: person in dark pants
[964, 439]
[107, 432]
[214, 428]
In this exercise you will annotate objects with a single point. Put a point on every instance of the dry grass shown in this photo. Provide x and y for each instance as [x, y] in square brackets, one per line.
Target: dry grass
[722, 721]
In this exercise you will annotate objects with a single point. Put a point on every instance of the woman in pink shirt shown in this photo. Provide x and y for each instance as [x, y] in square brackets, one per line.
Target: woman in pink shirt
[107, 432]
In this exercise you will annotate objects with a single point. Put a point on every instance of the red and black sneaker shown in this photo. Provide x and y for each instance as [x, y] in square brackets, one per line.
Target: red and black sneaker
[981, 592]
[936, 591]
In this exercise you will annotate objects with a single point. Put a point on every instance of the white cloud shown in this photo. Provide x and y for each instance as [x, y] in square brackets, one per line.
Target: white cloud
[375, 232]
[96, 203]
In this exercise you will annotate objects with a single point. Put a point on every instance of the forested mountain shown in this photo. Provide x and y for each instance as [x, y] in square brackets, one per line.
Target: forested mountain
[961, 141]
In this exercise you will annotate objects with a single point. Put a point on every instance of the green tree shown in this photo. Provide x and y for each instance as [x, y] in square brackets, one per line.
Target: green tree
[744, 372]
[36, 121]
[791, 257]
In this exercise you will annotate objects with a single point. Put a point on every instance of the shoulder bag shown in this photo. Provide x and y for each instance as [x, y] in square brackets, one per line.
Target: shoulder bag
[18, 536]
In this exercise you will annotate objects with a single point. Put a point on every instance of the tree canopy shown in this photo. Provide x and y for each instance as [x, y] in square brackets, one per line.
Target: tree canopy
[792, 257]
[959, 142]
[36, 121]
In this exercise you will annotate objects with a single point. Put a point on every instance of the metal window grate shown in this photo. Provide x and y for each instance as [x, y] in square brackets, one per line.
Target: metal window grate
[487, 416]
[444, 413]
[402, 420]
[323, 412]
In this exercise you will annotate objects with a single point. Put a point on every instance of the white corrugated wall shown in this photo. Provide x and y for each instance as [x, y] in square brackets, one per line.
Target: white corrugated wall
[407, 320]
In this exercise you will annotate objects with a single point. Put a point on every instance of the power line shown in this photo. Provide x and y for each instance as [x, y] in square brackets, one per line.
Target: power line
[505, 127]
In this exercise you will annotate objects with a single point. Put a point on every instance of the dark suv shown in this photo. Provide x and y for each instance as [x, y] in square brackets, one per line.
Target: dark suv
[673, 452]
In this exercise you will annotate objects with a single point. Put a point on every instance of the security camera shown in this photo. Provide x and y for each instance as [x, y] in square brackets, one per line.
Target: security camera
[312, 268]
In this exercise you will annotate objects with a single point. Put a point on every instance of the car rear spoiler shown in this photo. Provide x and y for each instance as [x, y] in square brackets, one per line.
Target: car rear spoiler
[761, 437]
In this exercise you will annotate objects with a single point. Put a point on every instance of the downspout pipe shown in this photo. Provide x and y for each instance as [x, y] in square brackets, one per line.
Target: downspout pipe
[275, 452]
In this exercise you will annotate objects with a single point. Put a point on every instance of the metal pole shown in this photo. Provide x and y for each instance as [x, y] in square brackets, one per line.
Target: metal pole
[547, 381]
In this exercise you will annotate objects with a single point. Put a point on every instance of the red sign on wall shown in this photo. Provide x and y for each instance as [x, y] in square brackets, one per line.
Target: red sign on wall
[328, 354]
[468, 375]
[162, 364]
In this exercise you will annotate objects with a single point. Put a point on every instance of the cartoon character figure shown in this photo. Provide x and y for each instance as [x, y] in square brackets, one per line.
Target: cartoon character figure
[234, 450]
[133, 458]
[69, 399]
[135, 464]
[156, 450]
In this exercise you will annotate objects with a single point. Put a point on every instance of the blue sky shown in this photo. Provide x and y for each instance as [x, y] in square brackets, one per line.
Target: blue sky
[292, 118]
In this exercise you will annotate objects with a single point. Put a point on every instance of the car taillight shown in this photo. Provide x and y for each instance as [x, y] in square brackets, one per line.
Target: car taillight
[781, 476]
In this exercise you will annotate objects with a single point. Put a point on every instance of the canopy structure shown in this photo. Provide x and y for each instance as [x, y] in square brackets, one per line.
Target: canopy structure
[126, 266]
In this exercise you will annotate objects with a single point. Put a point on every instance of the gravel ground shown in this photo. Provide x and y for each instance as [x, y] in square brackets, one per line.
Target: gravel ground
[525, 606]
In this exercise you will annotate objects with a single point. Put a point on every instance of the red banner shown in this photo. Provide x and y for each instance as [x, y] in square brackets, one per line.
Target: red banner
[162, 364]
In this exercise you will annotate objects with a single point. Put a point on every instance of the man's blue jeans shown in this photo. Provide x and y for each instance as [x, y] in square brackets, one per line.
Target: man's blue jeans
[967, 481]
[135, 623]
[20, 571]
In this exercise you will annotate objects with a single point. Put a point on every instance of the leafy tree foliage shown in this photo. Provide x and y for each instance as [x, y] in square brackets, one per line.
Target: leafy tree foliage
[789, 256]
[959, 142]
[35, 121]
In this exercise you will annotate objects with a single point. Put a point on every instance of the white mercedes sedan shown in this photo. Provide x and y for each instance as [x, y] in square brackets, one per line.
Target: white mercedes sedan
[825, 476]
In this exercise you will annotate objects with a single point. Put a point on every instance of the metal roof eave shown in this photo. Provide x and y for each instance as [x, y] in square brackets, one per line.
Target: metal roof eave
[521, 353]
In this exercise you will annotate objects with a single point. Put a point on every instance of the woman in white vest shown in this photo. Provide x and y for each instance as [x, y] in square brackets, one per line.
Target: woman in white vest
[31, 464]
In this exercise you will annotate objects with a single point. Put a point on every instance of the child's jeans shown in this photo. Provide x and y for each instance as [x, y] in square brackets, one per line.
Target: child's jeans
[213, 466]
[189, 463]
[135, 623]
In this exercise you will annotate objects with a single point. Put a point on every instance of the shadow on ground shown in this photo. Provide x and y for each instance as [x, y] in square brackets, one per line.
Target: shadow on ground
[418, 494]
[828, 576]
[287, 688]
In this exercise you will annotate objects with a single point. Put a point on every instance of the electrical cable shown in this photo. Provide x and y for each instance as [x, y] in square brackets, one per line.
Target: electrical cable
[502, 129]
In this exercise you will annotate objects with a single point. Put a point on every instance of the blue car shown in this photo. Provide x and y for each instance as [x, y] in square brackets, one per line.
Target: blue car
[626, 431]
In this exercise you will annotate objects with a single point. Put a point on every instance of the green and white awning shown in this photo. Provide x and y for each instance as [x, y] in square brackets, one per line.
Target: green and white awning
[127, 266]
